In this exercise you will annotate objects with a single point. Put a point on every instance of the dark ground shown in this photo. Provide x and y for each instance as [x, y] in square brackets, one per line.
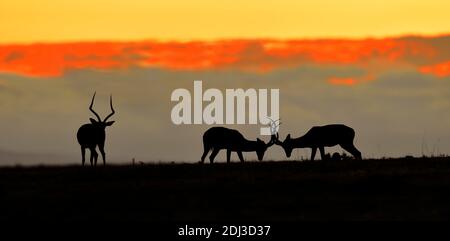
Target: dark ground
[390, 189]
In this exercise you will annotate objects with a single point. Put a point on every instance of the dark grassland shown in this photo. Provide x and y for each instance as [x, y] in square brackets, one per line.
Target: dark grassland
[387, 189]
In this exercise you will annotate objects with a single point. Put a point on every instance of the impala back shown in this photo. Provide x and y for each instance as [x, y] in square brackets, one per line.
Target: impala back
[223, 138]
[329, 135]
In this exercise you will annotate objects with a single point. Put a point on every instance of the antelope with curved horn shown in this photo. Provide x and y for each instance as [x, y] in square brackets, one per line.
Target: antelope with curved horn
[320, 137]
[93, 134]
[218, 138]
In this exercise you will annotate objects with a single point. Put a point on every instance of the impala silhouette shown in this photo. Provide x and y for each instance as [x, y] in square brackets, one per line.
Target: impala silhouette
[218, 138]
[320, 137]
[93, 134]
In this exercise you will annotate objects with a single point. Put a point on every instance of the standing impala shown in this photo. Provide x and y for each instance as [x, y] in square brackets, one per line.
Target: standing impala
[92, 135]
[218, 138]
[321, 137]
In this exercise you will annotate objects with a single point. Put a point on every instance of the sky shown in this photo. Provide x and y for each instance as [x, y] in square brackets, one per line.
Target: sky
[382, 68]
[29, 21]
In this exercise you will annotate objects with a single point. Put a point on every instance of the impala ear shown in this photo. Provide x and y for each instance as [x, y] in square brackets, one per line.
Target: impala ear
[93, 121]
[109, 123]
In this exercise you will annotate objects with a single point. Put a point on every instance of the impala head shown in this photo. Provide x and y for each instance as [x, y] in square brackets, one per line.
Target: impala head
[275, 138]
[99, 122]
[261, 148]
[261, 145]
[286, 144]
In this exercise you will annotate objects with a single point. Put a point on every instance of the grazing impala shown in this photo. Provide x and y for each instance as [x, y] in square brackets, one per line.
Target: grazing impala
[218, 138]
[321, 137]
[93, 134]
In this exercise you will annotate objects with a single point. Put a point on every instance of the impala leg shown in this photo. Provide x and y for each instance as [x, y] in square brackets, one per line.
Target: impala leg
[213, 155]
[322, 153]
[313, 153]
[83, 153]
[102, 151]
[228, 156]
[206, 149]
[240, 156]
[95, 157]
[91, 158]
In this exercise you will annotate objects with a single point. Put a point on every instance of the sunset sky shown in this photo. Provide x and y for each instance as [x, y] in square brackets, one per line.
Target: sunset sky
[382, 67]
[28, 21]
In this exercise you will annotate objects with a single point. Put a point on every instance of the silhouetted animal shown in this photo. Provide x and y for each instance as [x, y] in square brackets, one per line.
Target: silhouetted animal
[321, 137]
[92, 135]
[218, 138]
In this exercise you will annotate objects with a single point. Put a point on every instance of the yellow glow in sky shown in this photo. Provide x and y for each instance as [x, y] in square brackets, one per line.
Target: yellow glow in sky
[64, 20]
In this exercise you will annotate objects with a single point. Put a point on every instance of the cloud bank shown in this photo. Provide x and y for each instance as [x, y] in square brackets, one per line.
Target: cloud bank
[394, 92]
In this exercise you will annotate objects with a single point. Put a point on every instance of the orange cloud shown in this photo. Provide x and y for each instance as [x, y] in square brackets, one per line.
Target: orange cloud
[340, 51]
[350, 80]
[439, 70]
[51, 60]
[342, 81]
[54, 59]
